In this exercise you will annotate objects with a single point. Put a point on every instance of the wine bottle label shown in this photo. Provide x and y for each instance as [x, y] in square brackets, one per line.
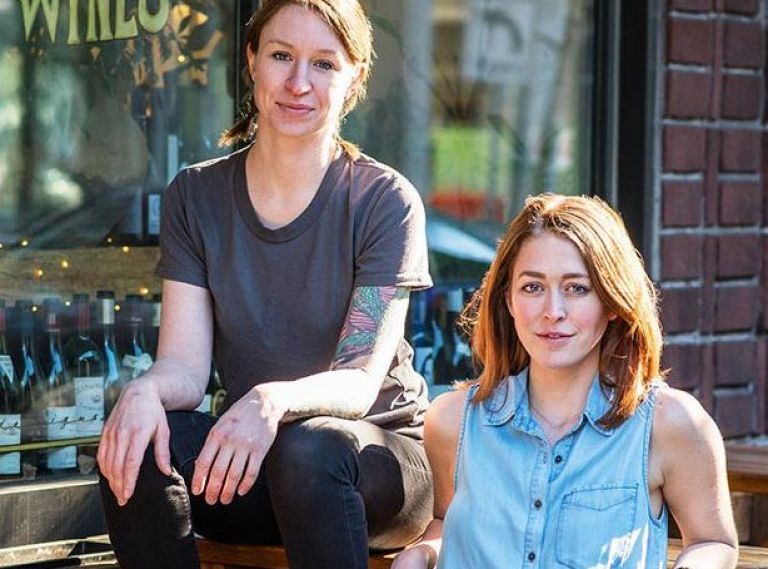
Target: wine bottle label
[423, 362]
[138, 364]
[6, 366]
[89, 400]
[61, 424]
[10, 434]
[153, 214]
[156, 310]
[205, 405]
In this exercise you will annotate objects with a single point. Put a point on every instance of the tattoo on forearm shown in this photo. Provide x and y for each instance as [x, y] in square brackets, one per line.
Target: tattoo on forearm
[367, 311]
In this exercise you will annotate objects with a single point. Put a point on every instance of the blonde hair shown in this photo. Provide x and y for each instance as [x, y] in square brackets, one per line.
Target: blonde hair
[348, 21]
[630, 350]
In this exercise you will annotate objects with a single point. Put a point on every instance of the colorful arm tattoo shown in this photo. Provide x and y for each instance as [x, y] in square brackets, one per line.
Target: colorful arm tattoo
[367, 323]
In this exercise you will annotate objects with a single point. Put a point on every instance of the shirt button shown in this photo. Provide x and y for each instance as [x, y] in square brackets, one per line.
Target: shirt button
[558, 459]
[537, 504]
[531, 556]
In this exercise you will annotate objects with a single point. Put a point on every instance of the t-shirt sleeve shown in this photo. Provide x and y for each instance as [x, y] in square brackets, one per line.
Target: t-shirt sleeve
[182, 257]
[393, 249]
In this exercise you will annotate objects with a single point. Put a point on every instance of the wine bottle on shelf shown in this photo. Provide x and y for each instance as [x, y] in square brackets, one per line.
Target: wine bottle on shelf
[31, 383]
[61, 411]
[461, 353]
[440, 355]
[210, 401]
[153, 330]
[114, 374]
[137, 359]
[422, 337]
[10, 418]
[86, 364]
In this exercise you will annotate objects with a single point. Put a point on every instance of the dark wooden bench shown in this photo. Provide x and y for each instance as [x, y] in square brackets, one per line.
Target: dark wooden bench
[214, 555]
[747, 467]
[221, 556]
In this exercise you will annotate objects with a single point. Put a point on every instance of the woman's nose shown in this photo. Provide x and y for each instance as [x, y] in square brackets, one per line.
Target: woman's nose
[298, 82]
[554, 308]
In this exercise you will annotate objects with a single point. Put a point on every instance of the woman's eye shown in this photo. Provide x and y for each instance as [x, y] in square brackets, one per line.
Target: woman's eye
[281, 56]
[531, 287]
[577, 288]
[325, 65]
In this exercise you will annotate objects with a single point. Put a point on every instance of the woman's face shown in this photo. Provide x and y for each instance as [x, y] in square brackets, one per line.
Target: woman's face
[557, 314]
[302, 75]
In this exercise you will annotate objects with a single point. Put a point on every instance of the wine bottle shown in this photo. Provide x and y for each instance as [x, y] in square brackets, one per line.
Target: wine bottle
[212, 396]
[10, 419]
[136, 360]
[31, 383]
[61, 411]
[153, 331]
[422, 337]
[85, 363]
[114, 375]
[461, 353]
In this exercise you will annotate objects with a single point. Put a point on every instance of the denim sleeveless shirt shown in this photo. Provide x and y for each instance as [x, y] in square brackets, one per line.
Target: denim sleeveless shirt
[582, 504]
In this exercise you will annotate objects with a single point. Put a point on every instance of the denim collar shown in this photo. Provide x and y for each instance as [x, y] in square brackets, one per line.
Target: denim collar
[509, 401]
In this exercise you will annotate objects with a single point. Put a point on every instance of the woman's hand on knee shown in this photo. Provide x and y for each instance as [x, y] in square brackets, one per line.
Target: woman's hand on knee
[235, 449]
[137, 419]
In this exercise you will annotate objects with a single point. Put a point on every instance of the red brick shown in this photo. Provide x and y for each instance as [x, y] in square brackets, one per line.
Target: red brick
[740, 151]
[749, 7]
[683, 361]
[681, 256]
[680, 309]
[685, 148]
[741, 96]
[691, 5]
[743, 45]
[740, 203]
[735, 363]
[738, 256]
[682, 204]
[688, 94]
[690, 41]
[736, 309]
[735, 413]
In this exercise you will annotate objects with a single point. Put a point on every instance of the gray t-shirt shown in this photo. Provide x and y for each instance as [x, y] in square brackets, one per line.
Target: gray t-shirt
[280, 296]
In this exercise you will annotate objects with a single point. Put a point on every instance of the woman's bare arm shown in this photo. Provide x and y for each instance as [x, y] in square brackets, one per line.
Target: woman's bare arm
[690, 452]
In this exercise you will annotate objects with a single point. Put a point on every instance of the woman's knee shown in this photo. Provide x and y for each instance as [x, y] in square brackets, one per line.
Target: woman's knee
[316, 451]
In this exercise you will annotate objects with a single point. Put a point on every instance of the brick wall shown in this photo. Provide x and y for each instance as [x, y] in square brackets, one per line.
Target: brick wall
[713, 207]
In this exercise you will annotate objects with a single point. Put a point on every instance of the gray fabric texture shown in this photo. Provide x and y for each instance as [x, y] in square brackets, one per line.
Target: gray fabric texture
[280, 296]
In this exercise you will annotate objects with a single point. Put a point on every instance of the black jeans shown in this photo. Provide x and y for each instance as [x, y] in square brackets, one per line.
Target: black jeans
[328, 490]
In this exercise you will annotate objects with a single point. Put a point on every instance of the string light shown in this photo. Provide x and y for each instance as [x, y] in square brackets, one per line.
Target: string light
[39, 273]
[34, 308]
[67, 303]
[64, 264]
[126, 249]
[117, 308]
[182, 58]
[1, 245]
[143, 291]
[25, 242]
[109, 240]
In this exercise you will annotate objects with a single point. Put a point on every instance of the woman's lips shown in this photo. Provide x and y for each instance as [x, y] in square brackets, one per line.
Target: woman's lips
[295, 109]
[554, 338]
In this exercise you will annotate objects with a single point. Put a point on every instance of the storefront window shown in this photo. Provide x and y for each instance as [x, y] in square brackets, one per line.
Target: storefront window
[101, 104]
[480, 103]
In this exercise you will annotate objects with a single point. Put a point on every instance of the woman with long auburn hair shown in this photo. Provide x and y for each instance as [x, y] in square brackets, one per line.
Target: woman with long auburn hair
[569, 450]
[292, 260]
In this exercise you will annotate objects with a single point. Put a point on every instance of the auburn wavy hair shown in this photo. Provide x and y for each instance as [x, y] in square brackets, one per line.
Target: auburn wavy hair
[348, 21]
[630, 350]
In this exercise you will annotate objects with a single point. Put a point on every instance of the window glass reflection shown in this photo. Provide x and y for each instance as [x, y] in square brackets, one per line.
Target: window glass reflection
[99, 108]
[479, 103]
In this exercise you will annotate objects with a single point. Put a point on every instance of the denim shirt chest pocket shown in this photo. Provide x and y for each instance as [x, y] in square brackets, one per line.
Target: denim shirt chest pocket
[595, 526]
